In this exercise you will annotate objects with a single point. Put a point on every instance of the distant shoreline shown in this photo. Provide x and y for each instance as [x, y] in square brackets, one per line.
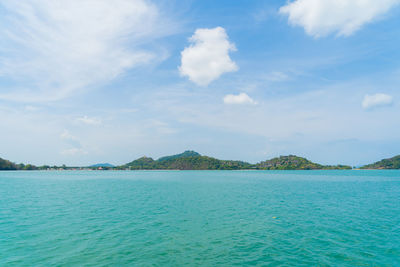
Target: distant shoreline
[191, 160]
[174, 170]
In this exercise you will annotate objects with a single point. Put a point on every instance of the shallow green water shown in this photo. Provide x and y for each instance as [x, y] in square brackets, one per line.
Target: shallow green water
[206, 218]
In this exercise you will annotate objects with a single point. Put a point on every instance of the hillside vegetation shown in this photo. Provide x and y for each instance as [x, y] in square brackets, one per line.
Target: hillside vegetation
[188, 160]
[191, 160]
[292, 162]
[391, 163]
[7, 165]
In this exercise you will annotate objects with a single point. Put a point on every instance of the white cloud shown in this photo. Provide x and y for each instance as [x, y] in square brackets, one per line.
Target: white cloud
[343, 17]
[241, 98]
[89, 120]
[276, 76]
[376, 100]
[51, 49]
[207, 58]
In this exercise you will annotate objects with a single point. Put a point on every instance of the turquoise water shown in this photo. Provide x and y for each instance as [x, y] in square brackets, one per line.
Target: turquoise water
[200, 218]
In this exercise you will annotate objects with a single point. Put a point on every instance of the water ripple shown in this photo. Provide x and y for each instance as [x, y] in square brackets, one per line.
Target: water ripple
[200, 218]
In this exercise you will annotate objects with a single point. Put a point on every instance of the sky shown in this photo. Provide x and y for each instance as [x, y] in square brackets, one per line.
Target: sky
[93, 81]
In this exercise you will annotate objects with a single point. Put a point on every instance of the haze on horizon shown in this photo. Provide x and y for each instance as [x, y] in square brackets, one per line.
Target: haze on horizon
[89, 81]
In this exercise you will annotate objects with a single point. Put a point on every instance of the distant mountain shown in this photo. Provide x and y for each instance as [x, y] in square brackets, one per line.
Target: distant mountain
[186, 154]
[188, 160]
[191, 160]
[292, 162]
[103, 165]
[143, 163]
[391, 163]
[202, 163]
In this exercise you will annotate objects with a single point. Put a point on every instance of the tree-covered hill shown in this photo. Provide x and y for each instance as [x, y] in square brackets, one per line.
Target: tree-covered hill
[186, 154]
[292, 162]
[188, 160]
[202, 163]
[6, 165]
[143, 163]
[102, 165]
[391, 163]
[191, 160]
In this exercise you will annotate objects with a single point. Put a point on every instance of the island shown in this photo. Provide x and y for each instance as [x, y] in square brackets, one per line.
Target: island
[191, 160]
[188, 160]
[390, 163]
[293, 162]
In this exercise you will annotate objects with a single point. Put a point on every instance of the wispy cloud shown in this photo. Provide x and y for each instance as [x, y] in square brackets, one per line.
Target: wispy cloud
[376, 100]
[30, 108]
[276, 76]
[208, 57]
[320, 18]
[51, 49]
[241, 98]
[89, 120]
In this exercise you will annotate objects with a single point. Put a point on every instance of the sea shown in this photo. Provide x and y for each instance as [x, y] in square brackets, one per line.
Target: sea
[200, 218]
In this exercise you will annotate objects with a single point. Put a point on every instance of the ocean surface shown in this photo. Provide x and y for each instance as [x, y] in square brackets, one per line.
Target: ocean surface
[200, 218]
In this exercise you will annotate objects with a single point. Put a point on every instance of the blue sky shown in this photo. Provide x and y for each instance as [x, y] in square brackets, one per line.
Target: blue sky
[83, 82]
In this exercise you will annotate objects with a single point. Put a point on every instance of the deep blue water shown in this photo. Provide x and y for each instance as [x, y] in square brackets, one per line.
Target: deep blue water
[200, 218]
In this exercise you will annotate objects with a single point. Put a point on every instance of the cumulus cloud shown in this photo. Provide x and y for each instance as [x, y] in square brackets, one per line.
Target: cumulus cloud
[376, 100]
[89, 120]
[343, 17]
[51, 49]
[207, 58]
[241, 98]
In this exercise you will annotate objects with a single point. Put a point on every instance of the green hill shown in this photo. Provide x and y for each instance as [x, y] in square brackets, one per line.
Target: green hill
[391, 163]
[187, 153]
[143, 163]
[202, 163]
[292, 162]
[191, 160]
[103, 165]
[188, 160]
